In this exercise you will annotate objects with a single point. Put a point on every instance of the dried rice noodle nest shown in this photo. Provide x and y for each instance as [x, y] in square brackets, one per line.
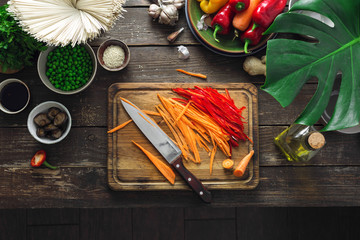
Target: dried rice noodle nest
[61, 22]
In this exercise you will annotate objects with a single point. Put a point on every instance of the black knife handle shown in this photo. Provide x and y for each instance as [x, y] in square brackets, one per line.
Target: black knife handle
[190, 179]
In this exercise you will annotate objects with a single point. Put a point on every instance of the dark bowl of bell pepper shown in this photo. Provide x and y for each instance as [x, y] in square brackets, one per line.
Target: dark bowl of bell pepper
[221, 36]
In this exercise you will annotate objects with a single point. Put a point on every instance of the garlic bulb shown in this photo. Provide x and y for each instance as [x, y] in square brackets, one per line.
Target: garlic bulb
[167, 12]
[154, 11]
[169, 15]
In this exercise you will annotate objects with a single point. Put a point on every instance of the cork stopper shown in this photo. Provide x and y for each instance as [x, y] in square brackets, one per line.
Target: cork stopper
[316, 140]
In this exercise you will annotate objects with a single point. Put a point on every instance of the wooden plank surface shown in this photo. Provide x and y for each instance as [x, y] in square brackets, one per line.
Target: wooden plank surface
[329, 179]
[165, 223]
[129, 171]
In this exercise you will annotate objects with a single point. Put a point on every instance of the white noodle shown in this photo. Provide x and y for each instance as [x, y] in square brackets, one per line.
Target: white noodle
[61, 22]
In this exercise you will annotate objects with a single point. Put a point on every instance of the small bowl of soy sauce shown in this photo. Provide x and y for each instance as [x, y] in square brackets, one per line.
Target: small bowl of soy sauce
[14, 96]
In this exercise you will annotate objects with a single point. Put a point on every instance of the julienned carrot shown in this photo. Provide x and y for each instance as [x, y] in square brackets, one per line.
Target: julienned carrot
[119, 127]
[240, 169]
[199, 75]
[148, 112]
[242, 20]
[212, 156]
[193, 127]
[161, 166]
[228, 164]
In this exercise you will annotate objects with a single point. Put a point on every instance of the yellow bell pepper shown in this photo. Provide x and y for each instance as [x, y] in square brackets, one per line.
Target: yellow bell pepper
[211, 6]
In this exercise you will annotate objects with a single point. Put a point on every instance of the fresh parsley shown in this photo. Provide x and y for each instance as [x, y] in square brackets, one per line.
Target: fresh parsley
[17, 48]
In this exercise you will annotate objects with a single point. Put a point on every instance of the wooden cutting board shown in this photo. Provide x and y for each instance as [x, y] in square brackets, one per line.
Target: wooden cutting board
[130, 169]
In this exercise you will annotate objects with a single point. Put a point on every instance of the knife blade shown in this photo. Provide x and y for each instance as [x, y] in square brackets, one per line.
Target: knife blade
[166, 147]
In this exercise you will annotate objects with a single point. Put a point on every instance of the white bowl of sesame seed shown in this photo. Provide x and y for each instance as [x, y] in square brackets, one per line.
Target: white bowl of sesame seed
[113, 55]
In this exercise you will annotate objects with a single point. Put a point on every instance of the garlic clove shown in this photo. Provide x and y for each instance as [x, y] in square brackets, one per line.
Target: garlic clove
[179, 3]
[172, 37]
[154, 11]
[183, 52]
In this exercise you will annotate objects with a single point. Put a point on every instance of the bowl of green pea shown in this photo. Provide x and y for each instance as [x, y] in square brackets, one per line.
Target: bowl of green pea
[67, 70]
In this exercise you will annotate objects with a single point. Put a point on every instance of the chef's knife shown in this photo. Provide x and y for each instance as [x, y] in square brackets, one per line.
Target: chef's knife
[165, 146]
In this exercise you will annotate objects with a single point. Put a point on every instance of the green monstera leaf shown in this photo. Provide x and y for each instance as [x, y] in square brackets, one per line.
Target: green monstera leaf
[290, 63]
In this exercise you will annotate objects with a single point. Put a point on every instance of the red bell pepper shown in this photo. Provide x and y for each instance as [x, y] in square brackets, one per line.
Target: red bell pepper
[238, 6]
[40, 158]
[252, 36]
[265, 13]
[221, 23]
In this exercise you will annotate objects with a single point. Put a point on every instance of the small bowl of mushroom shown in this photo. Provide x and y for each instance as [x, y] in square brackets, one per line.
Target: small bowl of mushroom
[49, 122]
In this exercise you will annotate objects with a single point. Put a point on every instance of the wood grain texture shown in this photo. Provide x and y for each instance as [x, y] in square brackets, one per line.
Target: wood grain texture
[210, 229]
[87, 187]
[264, 223]
[158, 223]
[59, 232]
[125, 161]
[54, 216]
[210, 213]
[329, 179]
[13, 224]
[105, 223]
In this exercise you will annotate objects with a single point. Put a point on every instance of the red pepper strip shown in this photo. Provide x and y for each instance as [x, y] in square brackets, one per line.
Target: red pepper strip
[40, 158]
[220, 106]
[222, 21]
[237, 6]
[252, 36]
[265, 13]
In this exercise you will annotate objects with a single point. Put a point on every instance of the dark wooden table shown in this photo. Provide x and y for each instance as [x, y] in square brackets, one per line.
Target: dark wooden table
[329, 179]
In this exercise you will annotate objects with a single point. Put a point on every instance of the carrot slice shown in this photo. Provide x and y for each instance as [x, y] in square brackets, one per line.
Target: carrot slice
[199, 75]
[240, 169]
[119, 127]
[161, 166]
[228, 163]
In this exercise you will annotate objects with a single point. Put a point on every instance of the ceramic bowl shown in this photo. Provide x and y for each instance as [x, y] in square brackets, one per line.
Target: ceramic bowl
[5, 83]
[41, 67]
[43, 107]
[113, 42]
[227, 46]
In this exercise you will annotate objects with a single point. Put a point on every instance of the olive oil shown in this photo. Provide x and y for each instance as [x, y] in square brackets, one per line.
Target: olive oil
[300, 143]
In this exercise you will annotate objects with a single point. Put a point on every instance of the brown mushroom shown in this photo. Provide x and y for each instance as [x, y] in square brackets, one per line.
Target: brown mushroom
[52, 112]
[50, 127]
[60, 119]
[41, 120]
[40, 132]
[56, 133]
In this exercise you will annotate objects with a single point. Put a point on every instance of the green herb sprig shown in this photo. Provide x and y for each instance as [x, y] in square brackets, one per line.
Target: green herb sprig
[17, 48]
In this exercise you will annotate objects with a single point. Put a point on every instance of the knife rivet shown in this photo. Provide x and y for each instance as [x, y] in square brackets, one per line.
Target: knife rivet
[201, 192]
[189, 179]
[177, 165]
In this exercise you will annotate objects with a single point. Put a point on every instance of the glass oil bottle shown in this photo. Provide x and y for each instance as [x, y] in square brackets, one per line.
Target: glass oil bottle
[300, 143]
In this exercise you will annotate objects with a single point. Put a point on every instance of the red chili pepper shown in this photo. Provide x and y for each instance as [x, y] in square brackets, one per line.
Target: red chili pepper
[238, 6]
[222, 21]
[40, 158]
[252, 36]
[265, 13]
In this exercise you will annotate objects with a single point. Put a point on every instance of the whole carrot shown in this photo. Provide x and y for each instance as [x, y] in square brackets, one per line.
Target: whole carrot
[240, 169]
[242, 20]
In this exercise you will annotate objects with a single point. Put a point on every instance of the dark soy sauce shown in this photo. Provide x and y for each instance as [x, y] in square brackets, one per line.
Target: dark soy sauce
[14, 96]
